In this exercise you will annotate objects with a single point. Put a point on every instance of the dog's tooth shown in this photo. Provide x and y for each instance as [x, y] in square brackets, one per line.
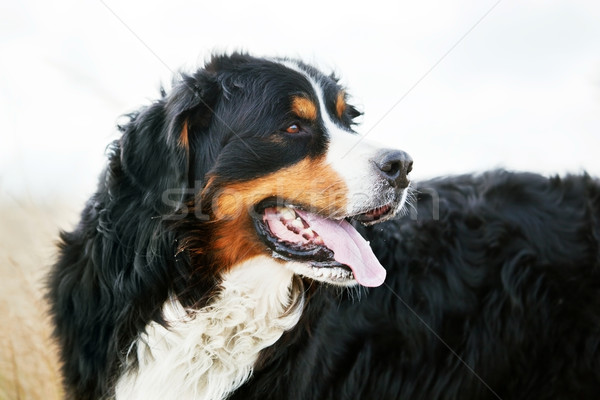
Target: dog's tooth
[307, 233]
[287, 214]
[297, 223]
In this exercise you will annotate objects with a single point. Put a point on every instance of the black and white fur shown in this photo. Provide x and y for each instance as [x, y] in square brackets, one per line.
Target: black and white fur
[491, 291]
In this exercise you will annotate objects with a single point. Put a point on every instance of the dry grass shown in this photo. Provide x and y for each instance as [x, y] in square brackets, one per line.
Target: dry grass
[28, 361]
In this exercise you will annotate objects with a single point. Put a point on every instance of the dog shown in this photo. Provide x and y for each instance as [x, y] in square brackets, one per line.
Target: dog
[245, 243]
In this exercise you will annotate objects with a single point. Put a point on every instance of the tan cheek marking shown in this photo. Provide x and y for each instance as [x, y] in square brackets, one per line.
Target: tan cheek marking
[340, 104]
[304, 108]
[310, 183]
[236, 241]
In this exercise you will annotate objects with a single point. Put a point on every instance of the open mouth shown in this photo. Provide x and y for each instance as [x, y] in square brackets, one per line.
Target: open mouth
[333, 248]
[375, 215]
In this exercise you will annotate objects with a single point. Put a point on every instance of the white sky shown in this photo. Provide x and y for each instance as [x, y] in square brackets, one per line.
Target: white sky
[521, 90]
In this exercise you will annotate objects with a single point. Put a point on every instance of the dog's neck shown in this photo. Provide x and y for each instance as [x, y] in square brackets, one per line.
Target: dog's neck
[208, 353]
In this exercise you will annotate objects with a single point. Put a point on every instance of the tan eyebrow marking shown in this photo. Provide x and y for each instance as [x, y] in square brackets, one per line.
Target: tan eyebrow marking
[304, 108]
[340, 104]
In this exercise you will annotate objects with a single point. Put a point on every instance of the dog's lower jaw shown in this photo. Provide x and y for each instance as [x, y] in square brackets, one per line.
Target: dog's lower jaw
[208, 353]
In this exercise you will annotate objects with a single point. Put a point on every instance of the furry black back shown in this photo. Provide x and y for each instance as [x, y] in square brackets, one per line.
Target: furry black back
[492, 293]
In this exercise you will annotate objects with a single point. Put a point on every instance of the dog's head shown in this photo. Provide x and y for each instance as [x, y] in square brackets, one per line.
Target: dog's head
[260, 156]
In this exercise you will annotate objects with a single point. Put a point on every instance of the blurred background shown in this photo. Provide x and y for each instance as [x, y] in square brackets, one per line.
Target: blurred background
[462, 85]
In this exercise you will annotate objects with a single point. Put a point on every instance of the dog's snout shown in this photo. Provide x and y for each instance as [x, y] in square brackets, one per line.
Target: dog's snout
[394, 165]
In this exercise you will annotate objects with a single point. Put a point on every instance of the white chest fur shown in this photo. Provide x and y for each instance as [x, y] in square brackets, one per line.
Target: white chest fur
[211, 353]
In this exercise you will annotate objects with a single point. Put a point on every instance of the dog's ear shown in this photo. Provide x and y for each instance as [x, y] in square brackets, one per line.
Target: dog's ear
[155, 145]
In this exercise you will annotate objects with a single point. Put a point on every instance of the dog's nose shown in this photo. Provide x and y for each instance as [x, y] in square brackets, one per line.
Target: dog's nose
[394, 165]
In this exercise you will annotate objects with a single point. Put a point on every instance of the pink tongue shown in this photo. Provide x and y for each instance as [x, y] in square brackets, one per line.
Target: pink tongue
[349, 248]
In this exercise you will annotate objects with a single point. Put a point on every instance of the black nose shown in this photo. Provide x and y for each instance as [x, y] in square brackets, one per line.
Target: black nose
[394, 165]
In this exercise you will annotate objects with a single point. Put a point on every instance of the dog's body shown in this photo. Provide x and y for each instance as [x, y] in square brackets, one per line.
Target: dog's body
[205, 265]
[498, 298]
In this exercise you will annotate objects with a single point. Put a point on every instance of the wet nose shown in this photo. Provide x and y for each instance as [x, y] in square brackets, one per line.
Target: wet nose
[394, 166]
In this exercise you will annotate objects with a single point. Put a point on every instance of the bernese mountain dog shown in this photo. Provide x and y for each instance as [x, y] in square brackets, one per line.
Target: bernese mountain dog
[245, 243]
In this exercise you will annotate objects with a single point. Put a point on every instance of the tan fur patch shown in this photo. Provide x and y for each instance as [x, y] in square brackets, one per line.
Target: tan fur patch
[340, 104]
[236, 241]
[304, 108]
[184, 140]
[309, 183]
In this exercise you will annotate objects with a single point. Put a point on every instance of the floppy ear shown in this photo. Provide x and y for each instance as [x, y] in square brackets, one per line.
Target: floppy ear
[116, 269]
[155, 145]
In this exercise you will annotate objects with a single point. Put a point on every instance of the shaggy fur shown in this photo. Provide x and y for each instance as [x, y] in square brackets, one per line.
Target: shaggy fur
[165, 289]
[495, 299]
[212, 352]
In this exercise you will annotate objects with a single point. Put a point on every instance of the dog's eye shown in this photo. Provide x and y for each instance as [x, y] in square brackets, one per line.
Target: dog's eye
[294, 128]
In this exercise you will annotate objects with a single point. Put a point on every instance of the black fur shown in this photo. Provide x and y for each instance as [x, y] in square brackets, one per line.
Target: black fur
[498, 297]
[116, 269]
